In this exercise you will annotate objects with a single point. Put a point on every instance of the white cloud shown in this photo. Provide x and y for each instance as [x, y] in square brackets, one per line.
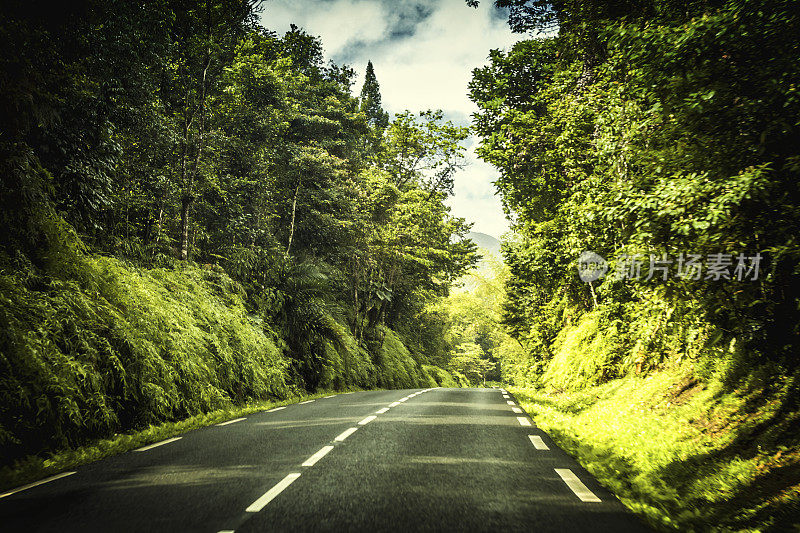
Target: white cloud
[427, 66]
[433, 68]
[337, 23]
[474, 197]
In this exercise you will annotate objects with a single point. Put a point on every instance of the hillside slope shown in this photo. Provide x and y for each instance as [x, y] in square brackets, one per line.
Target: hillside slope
[91, 346]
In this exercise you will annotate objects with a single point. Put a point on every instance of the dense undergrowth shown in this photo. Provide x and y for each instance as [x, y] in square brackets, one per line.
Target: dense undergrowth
[91, 346]
[659, 140]
[683, 454]
[699, 440]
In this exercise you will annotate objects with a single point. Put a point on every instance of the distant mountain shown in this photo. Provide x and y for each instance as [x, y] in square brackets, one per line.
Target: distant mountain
[485, 241]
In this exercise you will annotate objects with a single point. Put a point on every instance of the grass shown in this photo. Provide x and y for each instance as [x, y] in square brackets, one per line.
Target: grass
[683, 455]
[33, 468]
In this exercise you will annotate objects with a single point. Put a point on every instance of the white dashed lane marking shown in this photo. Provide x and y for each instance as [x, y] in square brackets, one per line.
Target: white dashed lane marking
[157, 444]
[381, 411]
[307, 401]
[523, 421]
[276, 409]
[317, 456]
[36, 484]
[270, 495]
[537, 442]
[346, 433]
[576, 485]
[367, 420]
[231, 421]
[517, 410]
[509, 402]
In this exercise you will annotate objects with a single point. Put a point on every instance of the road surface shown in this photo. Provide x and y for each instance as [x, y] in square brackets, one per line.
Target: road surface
[408, 460]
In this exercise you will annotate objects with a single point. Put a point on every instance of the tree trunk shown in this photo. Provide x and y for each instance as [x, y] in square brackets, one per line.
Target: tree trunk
[291, 226]
[186, 203]
[594, 297]
[188, 198]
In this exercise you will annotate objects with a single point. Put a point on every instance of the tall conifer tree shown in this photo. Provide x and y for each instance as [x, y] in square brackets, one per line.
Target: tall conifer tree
[371, 100]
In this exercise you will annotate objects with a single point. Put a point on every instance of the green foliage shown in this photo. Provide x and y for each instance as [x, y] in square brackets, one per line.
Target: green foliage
[201, 214]
[656, 127]
[120, 347]
[473, 341]
[584, 354]
[683, 455]
[424, 150]
[261, 228]
[371, 100]
[439, 377]
[648, 129]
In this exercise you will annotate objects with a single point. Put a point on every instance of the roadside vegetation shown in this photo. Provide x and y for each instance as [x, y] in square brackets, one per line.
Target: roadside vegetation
[200, 216]
[668, 130]
[683, 454]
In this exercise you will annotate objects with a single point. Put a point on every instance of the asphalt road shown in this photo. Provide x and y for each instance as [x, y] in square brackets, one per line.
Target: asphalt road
[412, 460]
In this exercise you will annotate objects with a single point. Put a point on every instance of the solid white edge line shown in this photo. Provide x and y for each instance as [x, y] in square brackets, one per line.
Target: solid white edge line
[157, 444]
[317, 456]
[346, 433]
[509, 402]
[576, 485]
[517, 410]
[523, 421]
[36, 484]
[394, 404]
[277, 409]
[270, 495]
[381, 411]
[307, 401]
[367, 420]
[231, 421]
[538, 443]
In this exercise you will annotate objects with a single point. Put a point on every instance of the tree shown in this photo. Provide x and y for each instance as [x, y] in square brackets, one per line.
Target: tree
[652, 129]
[424, 150]
[471, 362]
[371, 101]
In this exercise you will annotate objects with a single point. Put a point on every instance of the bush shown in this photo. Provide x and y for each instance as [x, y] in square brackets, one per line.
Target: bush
[121, 348]
[443, 378]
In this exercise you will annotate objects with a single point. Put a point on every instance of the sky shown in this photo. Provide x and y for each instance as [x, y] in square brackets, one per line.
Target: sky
[423, 52]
